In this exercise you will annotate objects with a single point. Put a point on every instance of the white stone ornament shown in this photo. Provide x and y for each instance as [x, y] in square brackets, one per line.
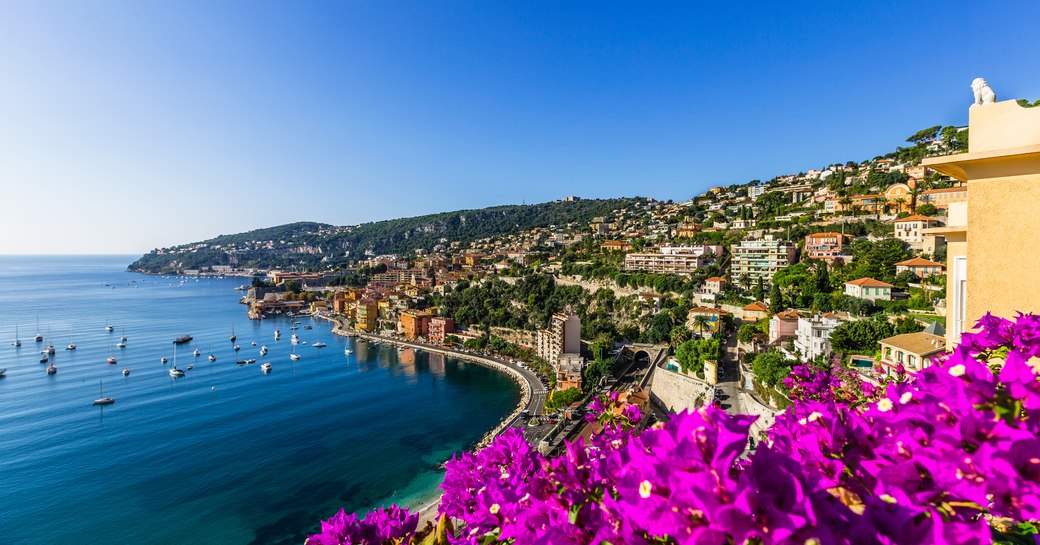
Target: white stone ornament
[983, 92]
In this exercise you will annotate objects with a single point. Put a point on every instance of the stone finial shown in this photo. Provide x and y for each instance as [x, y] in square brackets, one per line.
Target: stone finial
[983, 93]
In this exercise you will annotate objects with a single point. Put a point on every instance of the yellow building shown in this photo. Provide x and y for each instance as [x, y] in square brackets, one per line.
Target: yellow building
[367, 315]
[991, 263]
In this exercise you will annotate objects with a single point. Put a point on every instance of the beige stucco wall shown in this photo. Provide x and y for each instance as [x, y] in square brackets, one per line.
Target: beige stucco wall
[676, 393]
[1002, 125]
[1003, 256]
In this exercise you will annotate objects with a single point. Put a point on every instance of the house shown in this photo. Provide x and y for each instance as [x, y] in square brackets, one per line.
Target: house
[783, 326]
[826, 246]
[712, 319]
[920, 267]
[615, 246]
[713, 285]
[812, 336]
[754, 312]
[910, 352]
[440, 328]
[911, 229]
[569, 368]
[994, 230]
[869, 288]
[941, 198]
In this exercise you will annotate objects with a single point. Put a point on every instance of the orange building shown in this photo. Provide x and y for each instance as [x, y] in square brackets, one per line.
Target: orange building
[415, 323]
[826, 246]
[440, 327]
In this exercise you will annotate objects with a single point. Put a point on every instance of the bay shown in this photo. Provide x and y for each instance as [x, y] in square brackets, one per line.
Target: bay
[226, 454]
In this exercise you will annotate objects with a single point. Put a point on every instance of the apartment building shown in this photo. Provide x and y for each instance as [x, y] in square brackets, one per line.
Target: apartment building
[440, 327]
[812, 336]
[911, 229]
[672, 259]
[828, 247]
[562, 337]
[759, 259]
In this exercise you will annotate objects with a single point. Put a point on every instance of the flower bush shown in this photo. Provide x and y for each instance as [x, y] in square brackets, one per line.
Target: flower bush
[949, 455]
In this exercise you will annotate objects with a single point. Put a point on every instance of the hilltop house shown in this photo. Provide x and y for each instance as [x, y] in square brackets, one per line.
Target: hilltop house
[869, 288]
[920, 267]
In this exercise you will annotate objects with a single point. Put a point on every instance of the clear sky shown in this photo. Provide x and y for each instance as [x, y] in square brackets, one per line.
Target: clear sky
[130, 125]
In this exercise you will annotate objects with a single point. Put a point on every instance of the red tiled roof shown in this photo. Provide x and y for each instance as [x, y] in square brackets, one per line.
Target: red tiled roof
[757, 305]
[919, 262]
[869, 283]
[916, 217]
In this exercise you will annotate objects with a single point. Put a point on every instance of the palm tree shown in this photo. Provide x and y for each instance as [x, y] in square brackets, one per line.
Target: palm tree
[745, 281]
[701, 321]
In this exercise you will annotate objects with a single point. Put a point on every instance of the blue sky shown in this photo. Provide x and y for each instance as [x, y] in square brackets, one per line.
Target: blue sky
[130, 125]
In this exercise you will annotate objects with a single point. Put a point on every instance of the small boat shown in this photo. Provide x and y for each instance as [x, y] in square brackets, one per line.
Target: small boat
[237, 348]
[212, 357]
[122, 339]
[294, 328]
[233, 336]
[121, 344]
[52, 369]
[126, 372]
[265, 367]
[164, 360]
[251, 360]
[294, 357]
[109, 328]
[252, 343]
[196, 353]
[49, 350]
[103, 400]
[16, 342]
[3, 372]
[263, 350]
[308, 327]
[111, 360]
[319, 345]
[44, 359]
[176, 373]
[277, 334]
[38, 338]
[70, 347]
[295, 338]
[191, 366]
[347, 351]
[182, 340]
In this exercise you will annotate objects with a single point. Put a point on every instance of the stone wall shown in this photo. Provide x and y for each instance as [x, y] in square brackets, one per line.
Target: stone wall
[675, 392]
[516, 336]
[766, 414]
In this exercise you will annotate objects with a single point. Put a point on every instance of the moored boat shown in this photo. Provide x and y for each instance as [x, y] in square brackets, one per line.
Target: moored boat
[265, 367]
[103, 400]
[319, 345]
[52, 369]
[126, 372]
[182, 339]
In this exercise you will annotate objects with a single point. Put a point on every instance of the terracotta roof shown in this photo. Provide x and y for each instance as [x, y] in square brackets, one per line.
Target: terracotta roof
[825, 235]
[869, 283]
[915, 217]
[920, 343]
[759, 306]
[944, 190]
[788, 315]
[919, 262]
[706, 310]
[716, 279]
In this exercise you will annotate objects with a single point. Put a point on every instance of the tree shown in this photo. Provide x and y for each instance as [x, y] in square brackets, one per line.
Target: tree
[747, 333]
[860, 335]
[760, 291]
[924, 135]
[679, 335]
[701, 322]
[926, 209]
[776, 300]
[771, 367]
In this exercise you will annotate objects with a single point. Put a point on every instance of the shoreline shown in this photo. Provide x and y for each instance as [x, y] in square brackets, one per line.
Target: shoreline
[427, 508]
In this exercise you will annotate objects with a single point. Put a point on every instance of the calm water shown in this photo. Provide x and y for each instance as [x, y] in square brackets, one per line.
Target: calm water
[227, 454]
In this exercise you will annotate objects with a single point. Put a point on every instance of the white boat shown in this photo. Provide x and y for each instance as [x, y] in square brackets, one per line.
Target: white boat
[197, 353]
[70, 347]
[191, 366]
[212, 357]
[109, 328]
[111, 360]
[16, 342]
[347, 351]
[121, 344]
[233, 336]
[122, 339]
[294, 356]
[237, 348]
[277, 334]
[126, 372]
[295, 339]
[176, 373]
[263, 350]
[319, 345]
[52, 369]
[38, 338]
[252, 343]
[103, 400]
[49, 350]
[265, 367]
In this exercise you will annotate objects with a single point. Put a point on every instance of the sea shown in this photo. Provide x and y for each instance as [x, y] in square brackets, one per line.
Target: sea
[226, 454]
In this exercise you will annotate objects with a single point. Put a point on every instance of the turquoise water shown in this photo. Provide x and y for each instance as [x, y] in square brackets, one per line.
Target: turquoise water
[226, 454]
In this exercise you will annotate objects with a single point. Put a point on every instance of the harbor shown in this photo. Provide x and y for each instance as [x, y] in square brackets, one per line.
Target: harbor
[214, 455]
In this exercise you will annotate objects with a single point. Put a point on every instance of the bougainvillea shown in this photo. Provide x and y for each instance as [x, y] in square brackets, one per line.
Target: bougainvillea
[949, 455]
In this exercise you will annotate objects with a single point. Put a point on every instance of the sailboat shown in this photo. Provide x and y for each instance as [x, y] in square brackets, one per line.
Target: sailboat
[174, 372]
[277, 334]
[16, 342]
[108, 327]
[103, 400]
[52, 369]
[294, 356]
[233, 336]
[163, 359]
[111, 359]
[122, 342]
[38, 338]
[211, 356]
[197, 353]
[3, 372]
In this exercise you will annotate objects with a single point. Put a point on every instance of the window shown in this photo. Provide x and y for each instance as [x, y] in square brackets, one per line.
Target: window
[959, 286]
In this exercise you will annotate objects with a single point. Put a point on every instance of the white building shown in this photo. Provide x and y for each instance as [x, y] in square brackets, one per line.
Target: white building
[761, 258]
[869, 288]
[672, 259]
[812, 338]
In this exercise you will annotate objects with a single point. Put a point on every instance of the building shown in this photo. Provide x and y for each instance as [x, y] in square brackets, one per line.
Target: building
[562, 337]
[615, 246]
[911, 229]
[812, 337]
[713, 285]
[756, 191]
[920, 267]
[754, 312]
[366, 314]
[672, 259]
[569, 369]
[941, 198]
[989, 262]
[440, 327]
[759, 259]
[910, 352]
[415, 323]
[783, 326]
[826, 246]
[713, 317]
[868, 288]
